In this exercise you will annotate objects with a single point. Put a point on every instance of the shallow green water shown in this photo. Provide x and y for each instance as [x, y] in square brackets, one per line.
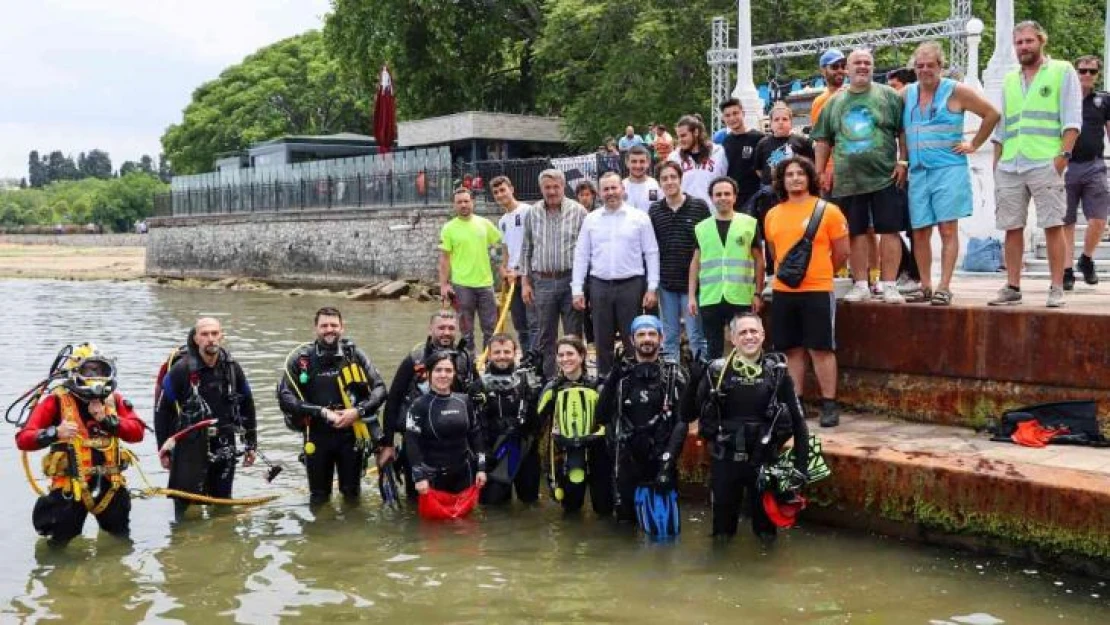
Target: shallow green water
[282, 563]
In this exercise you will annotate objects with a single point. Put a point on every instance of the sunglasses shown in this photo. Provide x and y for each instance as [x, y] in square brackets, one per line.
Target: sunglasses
[838, 65]
[1087, 70]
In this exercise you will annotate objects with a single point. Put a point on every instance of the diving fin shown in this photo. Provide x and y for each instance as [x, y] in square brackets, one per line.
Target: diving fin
[508, 454]
[387, 485]
[657, 512]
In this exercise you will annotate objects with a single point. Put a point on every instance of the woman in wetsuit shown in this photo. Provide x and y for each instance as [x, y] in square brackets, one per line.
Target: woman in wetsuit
[748, 410]
[578, 456]
[443, 435]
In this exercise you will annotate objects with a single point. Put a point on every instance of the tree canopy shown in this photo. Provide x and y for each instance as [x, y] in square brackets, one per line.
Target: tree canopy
[115, 203]
[290, 87]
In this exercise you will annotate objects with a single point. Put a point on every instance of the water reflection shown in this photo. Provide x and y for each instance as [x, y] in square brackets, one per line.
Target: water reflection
[282, 562]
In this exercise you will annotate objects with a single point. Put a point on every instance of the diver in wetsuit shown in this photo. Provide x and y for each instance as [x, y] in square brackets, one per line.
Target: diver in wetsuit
[640, 409]
[411, 381]
[577, 455]
[330, 391]
[748, 410]
[505, 397]
[205, 383]
[442, 434]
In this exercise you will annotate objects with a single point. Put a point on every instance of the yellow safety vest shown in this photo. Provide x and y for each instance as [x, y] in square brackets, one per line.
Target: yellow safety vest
[1032, 125]
[727, 272]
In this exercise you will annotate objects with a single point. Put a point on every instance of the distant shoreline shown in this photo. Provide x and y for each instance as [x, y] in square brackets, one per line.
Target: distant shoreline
[65, 262]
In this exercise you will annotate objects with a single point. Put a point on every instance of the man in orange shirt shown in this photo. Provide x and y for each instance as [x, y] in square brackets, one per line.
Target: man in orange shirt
[834, 68]
[803, 318]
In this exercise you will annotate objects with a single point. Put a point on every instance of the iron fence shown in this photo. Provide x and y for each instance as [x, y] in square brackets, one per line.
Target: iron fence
[378, 189]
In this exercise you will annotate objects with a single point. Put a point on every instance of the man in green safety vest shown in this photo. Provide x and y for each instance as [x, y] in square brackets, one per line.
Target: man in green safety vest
[727, 272]
[1041, 118]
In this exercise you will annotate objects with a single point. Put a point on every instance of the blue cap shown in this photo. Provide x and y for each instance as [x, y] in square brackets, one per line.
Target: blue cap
[832, 55]
[647, 321]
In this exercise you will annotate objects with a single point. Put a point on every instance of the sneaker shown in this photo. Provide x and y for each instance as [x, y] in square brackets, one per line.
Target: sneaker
[1069, 279]
[1055, 297]
[876, 290]
[830, 415]
[859, 293]
[1087, 266]
[892, 296]
[1007, 296]
[908, 285]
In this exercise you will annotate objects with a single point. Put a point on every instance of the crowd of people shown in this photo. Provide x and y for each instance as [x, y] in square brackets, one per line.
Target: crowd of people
[684, 246]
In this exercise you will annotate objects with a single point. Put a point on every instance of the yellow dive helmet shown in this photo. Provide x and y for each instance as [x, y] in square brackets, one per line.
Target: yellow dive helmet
[89, 373]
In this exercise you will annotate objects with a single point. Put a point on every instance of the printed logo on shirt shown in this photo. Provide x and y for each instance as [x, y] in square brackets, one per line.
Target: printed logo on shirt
[779, 155]
[1098, 101]
[653, 195]
[1046, 91]
[518, 221]
[689, 164]
[747, 151]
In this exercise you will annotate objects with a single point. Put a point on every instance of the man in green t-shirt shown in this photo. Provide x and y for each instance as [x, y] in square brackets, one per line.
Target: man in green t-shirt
[861, 127]
[465, 276]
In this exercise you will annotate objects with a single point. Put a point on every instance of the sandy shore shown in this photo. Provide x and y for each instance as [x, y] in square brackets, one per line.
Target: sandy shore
[71, 263]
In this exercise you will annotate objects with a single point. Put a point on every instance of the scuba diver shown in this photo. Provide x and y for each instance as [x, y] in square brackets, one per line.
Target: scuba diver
[205, 402]
[82, 420]
[748, 410]
[505, 397]
[411, 381]
[331, 392]
[640, 407]
[444, 442]
[578, 456]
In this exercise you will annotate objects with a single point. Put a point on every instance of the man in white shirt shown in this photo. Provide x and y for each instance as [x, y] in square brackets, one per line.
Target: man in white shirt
[702, 160]
[641, 189]
[511, 225]
[614, 246]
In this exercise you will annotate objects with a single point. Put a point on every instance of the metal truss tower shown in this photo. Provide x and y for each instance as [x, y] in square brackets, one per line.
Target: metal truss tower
[719, 70]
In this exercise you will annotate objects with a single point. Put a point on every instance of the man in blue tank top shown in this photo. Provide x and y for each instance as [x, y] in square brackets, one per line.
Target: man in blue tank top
[940, 181]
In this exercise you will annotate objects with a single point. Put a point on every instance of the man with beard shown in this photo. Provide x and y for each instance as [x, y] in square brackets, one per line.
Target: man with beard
[1041, 118]
[411, 381]
[860, 128]
[639, 407]
[640, 189]
[834, 67]
[330, 391]
[205, 383]
[505, 400]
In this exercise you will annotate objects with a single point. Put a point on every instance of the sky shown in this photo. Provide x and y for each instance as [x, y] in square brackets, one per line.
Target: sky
[76, 75]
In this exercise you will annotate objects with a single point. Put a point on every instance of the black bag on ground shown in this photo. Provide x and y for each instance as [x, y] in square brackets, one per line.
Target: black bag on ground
[1080, 417]
[792, 269]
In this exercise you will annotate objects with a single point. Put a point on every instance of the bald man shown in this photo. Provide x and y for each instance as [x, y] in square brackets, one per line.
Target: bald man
[205, 383]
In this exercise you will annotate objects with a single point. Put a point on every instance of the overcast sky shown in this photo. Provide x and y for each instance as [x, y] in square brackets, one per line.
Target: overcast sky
[112, 74]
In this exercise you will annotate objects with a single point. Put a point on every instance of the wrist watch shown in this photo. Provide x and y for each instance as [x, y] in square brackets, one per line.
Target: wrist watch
[904, 163]
[1066, 154]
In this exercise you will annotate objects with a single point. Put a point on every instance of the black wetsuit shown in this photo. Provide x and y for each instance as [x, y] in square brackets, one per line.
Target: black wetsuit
[506, 410]
[735, 413]
[646, 427]
[444, 441]
[410, 382]
[310, 383]
[580, 394]
[204, 461]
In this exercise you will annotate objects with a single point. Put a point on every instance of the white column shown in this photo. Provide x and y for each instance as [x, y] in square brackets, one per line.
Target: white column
[1004, 59]
[981, 221]
[974, 38]
[745, 90]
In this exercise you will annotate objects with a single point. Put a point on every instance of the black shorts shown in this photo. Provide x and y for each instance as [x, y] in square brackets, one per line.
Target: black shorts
[886, 210]
[804, 320]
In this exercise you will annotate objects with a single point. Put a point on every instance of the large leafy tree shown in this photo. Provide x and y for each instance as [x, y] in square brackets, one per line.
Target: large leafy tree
[290, 87]
[95, 164]
[446, 57]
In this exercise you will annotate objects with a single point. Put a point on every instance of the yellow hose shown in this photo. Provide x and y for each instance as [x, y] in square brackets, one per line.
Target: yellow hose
[152, 491]
[39, 490]
[501, 317]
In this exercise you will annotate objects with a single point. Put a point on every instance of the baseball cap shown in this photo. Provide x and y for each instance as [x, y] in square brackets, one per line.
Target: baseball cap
[832, 55]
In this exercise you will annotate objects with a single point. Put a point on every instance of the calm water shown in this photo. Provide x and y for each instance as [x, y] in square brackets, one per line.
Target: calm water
[282, 563]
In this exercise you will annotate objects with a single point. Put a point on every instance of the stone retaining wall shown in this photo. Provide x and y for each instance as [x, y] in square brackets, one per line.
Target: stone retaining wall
[337, 246]
[76, 240]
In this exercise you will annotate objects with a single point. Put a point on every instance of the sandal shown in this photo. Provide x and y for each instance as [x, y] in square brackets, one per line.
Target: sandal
[918, 296]
[941, 298]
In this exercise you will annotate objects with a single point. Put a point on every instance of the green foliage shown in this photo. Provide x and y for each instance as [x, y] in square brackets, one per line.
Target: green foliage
[290, 87]
[446, 57]
[95, 164]
[116, 203]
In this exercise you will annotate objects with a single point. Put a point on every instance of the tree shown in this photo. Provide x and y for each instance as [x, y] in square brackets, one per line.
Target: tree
[146, 165]
[60, 167]
[125, 200]
[36, 170]
[22, 183]
[128, 167]
[479, 51]
[290, 87]
[165, 169]
[95, 164]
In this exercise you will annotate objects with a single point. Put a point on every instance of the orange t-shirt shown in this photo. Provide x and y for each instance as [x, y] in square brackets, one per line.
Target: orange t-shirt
[785, 225]
[815, 109]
